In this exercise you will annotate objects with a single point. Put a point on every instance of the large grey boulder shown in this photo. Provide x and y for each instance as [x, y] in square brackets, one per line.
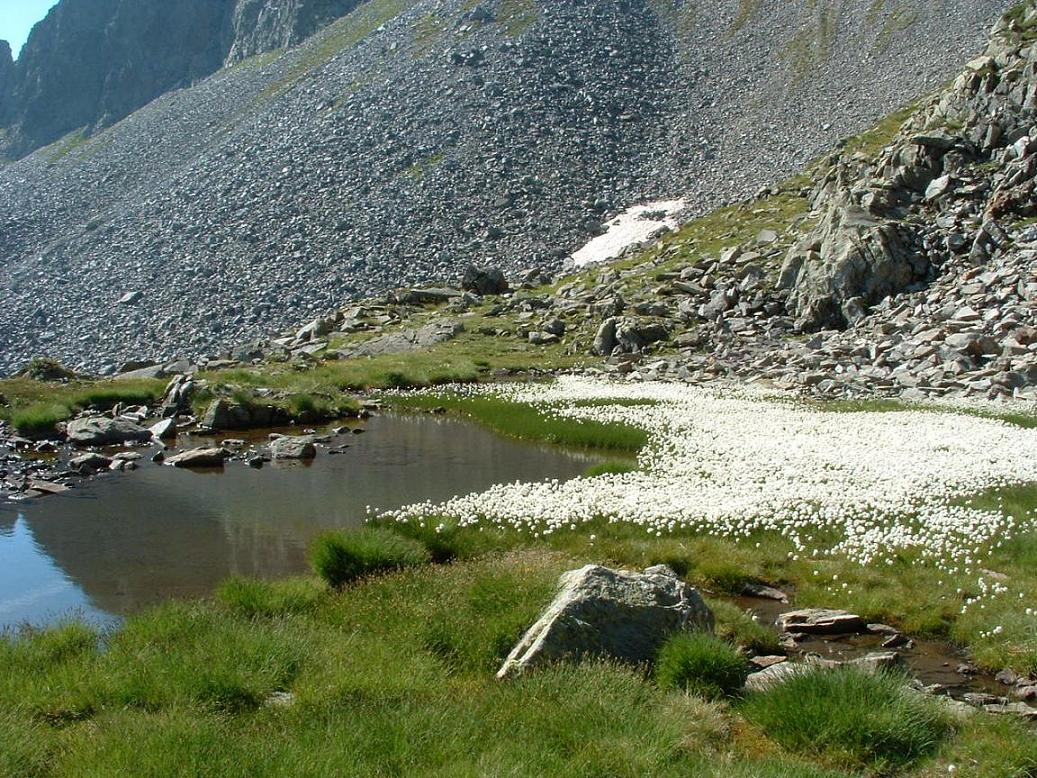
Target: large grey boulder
[852, 260]
[406, 340]
[224, 415]
[613, 614]
[290, 447]
[102, 431]
[605, 338]
[90, 463]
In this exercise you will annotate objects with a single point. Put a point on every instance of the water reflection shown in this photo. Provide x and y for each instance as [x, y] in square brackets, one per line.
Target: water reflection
[127, 541]
[46, 593]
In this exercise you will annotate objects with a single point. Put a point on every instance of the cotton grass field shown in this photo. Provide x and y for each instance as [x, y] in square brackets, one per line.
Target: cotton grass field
[853, 508]
[733, 463]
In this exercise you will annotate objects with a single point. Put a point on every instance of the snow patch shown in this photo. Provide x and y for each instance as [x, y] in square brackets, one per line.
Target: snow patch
[634, 227]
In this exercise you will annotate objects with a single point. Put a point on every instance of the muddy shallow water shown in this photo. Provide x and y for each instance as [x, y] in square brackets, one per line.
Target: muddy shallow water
[929, 661]
[125, 541]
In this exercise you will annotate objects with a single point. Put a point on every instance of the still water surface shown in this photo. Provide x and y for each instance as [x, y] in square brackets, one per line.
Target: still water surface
[125, 541]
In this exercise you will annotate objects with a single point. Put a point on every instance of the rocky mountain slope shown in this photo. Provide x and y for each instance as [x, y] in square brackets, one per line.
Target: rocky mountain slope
[904, 266]
[92, 62]
[412, 137]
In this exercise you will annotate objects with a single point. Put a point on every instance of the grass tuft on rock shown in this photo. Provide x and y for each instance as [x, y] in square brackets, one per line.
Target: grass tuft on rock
[343, 557]
[851, 718]
[702, 664]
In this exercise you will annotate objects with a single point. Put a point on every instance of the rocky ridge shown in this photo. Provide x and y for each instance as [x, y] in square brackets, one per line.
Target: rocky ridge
[407, 140]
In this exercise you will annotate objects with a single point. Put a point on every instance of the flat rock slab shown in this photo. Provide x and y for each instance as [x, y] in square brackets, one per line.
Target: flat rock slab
[406, 340]
[102, 431]
[47, 487]
[600, 612]
[199, 457]
[820, 621]
[776, 674]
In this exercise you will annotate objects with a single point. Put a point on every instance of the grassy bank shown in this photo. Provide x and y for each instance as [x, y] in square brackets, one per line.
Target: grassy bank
[394, 676]
[34, 407]
[527, 422]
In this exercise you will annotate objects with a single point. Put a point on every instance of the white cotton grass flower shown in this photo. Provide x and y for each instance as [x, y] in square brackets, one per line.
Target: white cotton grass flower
[733, 462]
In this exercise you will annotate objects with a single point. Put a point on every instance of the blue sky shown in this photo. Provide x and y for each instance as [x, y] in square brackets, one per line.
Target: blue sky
[18, 16]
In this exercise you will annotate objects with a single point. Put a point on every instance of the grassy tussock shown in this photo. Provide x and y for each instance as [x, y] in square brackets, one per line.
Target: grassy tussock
[851, 718]
[343, 557]
[611, 467]
[270, 599]
[701, 664]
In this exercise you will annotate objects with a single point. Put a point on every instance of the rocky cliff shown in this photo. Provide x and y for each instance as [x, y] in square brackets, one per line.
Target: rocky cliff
[259, 26]
[6, 75]
[411, 137]
[92, 62]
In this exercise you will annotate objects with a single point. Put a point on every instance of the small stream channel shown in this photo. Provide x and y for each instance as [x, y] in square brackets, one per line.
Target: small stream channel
[931, 662]
[124, 541]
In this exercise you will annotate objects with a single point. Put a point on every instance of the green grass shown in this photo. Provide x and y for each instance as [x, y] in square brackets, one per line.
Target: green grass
[988, 747]
[39, 418]
[419, 169]
[850, 718]
[701, 664]
[395, 676]
[270, 599]
[468, 358]
[1016, 15]
[747, 9]
[526, 422]
[62, 148]
[517, 16]
[740, 628]
[611, 467]
[341, 558]
[871, 142]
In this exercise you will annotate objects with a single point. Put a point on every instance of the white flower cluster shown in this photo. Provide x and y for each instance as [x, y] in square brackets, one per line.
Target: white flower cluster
[736, 462]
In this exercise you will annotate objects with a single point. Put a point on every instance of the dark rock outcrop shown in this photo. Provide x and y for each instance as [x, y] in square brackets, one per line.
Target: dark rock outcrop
[6, 78]
[89, 63]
